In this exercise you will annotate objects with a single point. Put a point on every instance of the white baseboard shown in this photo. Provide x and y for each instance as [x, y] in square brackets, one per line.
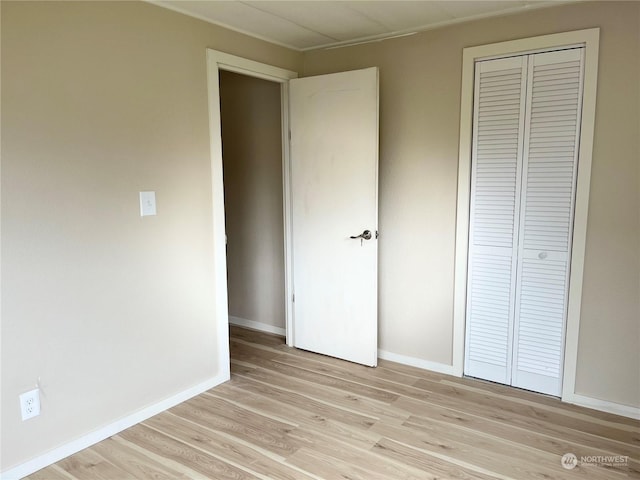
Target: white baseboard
[96, 436]
[603, 405]
[416, 362]
[262, 327]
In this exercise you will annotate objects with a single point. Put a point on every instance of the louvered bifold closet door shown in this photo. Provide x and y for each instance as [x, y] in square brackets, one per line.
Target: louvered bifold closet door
[499, 102]
[549, 172]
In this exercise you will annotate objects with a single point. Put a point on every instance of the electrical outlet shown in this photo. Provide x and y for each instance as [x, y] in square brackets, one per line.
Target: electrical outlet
[30, 404]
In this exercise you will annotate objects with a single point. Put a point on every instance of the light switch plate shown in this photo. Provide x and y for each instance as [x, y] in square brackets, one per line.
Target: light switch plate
[147, 203]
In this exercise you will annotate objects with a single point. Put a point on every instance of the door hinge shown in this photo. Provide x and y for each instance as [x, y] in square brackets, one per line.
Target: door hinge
[293, 298]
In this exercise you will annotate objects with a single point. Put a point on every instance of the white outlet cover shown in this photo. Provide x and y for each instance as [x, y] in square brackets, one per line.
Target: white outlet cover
[30, 404]
[147, 203]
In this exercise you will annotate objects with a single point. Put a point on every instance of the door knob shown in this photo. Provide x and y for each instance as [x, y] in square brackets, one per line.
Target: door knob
[366, 235]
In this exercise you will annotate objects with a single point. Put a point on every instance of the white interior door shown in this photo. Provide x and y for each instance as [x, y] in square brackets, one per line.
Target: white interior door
[334, 196]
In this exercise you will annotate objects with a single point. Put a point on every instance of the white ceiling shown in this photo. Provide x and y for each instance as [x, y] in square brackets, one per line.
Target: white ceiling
[306, 25]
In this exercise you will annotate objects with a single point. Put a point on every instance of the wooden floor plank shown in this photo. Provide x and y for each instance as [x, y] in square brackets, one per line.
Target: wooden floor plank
[52, 472]
[288, 414]
[258, 459]
[304, 401]
[518, 422]
[328, 392]
[88, 464]
[489, 446]
[217, 415]
[505, 391]
[437, 466]
[345, 451]
[500, 461]
[623, 433]
[193, 458]
[138, 466]
[532, 438]
[357, 388]
[356, 435]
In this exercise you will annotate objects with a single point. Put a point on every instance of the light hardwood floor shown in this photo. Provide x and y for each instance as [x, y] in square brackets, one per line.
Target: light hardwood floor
[290, 414]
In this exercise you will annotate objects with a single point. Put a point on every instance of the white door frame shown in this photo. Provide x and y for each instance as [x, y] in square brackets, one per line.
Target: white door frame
[217, 61]
[590, 39]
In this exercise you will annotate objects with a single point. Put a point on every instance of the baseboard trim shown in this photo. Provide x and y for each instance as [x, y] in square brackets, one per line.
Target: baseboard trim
[252, 324]
[416, 362]
[603, 405]
[107, 431]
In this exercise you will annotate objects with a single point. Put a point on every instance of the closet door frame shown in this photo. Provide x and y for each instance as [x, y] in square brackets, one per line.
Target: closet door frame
[590, 40]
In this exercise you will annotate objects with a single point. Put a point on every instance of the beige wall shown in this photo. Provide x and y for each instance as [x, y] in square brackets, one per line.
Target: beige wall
[420, 78]
[252, 160]
[111, 311]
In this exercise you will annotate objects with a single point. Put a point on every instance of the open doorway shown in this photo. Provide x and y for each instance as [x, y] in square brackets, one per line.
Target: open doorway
[218, 62]
[251, 124]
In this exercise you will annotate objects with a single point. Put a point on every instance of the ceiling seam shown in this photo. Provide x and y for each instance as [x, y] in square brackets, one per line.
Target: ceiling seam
[288, 20]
